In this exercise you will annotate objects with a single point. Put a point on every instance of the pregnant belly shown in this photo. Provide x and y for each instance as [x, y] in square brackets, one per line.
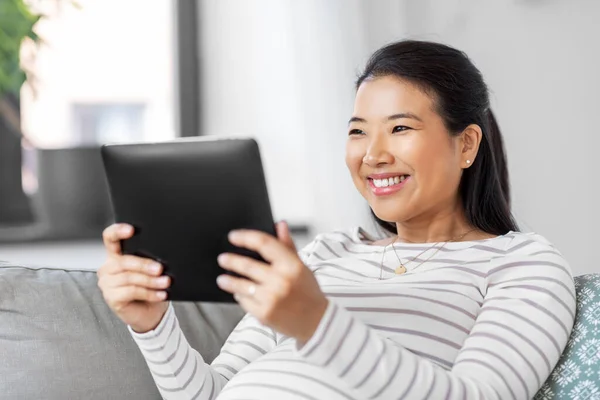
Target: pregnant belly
[281, 375]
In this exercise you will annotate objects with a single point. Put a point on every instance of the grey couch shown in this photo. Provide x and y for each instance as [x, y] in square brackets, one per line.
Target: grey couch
[59, 340]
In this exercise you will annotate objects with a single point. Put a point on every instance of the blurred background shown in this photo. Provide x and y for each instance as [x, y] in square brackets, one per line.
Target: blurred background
[282, 71]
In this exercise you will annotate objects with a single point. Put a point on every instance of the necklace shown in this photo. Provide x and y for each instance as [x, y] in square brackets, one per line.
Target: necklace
[402, 267]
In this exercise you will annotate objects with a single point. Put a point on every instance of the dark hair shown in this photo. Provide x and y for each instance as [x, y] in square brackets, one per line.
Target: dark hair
[461, 98]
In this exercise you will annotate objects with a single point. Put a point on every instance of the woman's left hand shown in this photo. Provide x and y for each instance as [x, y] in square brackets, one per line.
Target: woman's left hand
[283, 295]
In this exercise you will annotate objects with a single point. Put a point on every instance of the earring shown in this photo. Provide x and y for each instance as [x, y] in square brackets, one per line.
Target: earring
[468, 161]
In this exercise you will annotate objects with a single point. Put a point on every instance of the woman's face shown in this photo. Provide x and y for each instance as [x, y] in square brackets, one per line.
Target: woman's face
[401, 156]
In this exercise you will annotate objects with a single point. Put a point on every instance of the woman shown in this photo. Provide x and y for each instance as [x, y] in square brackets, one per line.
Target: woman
[455, 303]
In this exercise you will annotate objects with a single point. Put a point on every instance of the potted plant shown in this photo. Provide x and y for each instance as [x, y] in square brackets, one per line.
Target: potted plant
[16, 24]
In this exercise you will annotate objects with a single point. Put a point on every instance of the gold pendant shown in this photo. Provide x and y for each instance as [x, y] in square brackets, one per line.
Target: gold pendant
[401, 269]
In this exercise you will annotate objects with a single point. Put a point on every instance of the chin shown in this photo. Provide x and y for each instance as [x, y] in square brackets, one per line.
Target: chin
[390, 214]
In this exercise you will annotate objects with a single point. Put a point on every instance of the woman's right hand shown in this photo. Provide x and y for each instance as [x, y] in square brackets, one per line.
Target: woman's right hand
[132, 286]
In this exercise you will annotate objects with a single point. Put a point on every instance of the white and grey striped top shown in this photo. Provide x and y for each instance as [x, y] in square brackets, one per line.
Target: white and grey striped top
[483, 319]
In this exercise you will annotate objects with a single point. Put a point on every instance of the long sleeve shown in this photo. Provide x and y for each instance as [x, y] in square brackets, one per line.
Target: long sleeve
[519, 334]
[180, 372]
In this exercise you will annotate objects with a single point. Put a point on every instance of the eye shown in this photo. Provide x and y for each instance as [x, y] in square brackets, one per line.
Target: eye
[355, 132]
[400, 128]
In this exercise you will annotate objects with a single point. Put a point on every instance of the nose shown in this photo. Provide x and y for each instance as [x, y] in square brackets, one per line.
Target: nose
[377, 154]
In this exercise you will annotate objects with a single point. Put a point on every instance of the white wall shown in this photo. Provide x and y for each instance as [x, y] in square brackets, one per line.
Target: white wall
[284, 71]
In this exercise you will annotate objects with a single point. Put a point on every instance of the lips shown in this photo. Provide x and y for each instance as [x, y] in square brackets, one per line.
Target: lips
[388, 183]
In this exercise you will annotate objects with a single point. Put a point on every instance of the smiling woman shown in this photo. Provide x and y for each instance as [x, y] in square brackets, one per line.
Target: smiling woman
[463, 306]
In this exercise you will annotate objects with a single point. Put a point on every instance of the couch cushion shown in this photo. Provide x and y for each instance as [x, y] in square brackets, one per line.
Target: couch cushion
[59, 340]
[577, 374]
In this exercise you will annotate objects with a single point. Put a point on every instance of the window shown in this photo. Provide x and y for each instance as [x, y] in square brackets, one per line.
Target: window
[108, 123]
[105, 73]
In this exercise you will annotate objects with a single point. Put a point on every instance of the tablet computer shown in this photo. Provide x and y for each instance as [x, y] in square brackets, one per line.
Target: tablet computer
[183, 197]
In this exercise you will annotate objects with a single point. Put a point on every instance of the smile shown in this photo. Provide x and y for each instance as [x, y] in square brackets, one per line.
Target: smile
[394, 180]
[389, 185]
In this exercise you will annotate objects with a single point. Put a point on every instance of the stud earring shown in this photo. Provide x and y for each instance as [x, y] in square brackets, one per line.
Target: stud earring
[468, 161]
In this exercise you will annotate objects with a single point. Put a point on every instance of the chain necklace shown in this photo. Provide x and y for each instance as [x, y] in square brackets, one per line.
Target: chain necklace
[402, 267]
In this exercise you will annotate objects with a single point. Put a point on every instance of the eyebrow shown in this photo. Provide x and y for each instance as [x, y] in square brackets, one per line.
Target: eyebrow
[390, 118]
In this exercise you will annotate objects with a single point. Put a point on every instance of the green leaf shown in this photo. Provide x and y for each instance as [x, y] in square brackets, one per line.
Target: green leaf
[16, 23]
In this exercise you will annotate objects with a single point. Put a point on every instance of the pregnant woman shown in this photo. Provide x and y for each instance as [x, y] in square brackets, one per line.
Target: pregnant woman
[453, 303]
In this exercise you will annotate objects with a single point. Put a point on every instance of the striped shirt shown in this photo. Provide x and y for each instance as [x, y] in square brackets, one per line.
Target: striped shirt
[484, 319]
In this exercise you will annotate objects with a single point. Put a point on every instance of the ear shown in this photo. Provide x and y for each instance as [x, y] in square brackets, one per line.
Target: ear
[470, 139]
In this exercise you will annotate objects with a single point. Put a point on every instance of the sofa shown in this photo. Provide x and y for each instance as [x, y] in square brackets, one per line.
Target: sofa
[59, 340]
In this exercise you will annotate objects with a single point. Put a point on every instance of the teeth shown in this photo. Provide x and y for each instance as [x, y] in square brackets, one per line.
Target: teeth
[389, 181]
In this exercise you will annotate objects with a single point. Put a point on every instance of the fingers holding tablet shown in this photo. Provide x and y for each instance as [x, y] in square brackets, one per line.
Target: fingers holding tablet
[250, 268]
[132, 286]
[283, 294]
[129, 263]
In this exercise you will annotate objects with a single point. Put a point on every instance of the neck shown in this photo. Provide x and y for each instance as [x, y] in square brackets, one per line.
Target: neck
[439, 226]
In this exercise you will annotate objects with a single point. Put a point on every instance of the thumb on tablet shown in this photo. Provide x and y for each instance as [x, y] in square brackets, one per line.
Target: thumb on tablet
[283, 234]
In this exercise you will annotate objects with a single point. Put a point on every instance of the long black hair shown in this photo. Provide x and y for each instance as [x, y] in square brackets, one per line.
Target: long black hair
[461, 97]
